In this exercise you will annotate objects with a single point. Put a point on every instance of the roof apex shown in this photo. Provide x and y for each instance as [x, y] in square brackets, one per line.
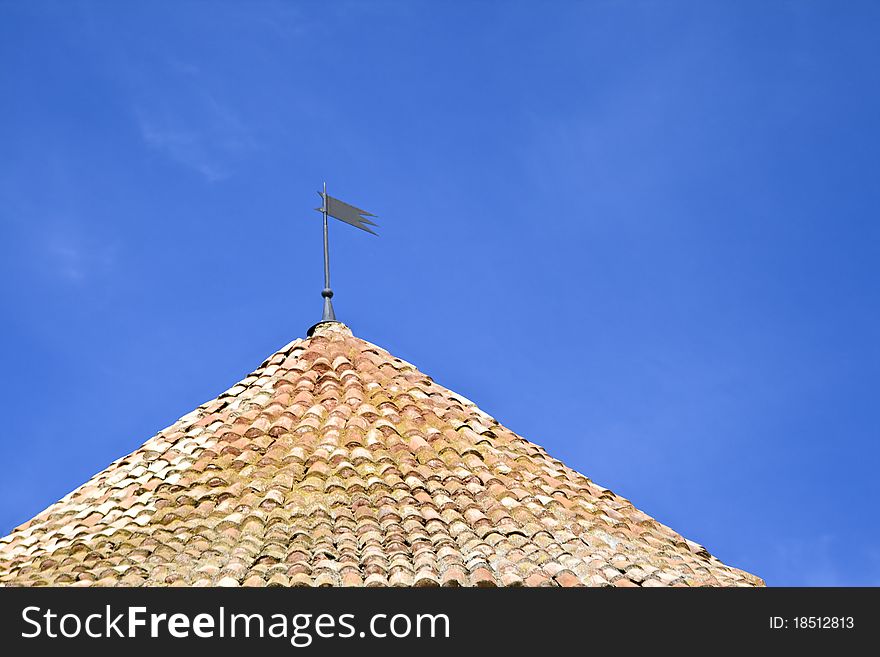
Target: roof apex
[330, 326]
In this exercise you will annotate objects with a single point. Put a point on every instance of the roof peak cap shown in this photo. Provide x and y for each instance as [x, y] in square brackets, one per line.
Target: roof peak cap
[325, 327]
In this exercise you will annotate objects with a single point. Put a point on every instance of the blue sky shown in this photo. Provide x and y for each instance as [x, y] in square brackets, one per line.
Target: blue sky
[641, 234]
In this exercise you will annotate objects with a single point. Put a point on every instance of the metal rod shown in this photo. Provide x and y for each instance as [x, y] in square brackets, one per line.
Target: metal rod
[327, 292]
[326, 243]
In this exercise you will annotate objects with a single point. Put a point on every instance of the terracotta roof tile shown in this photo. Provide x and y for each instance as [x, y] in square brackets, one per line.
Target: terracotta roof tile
[336, 464]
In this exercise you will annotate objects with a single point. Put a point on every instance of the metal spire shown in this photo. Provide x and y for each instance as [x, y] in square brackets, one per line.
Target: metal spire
[332, 207]
[327, 293]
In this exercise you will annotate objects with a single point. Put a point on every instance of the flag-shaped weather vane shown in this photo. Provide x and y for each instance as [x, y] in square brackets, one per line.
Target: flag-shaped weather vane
[333, 207]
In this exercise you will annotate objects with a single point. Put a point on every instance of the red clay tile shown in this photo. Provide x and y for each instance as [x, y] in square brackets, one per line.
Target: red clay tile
[454, 576]
[482, 577]
[537, 579]
[568, 578]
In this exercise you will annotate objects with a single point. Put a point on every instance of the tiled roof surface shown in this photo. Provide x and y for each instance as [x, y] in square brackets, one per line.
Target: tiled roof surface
[335, 463]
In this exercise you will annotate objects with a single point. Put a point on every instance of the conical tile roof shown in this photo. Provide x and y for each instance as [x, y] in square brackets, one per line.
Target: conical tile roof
[335, 463]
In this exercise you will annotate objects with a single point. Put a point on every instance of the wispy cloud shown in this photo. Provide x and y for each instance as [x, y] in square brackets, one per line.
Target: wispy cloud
[68, 261]
[823, 561]
[200, 133]
[75, 260]
[186, 147]
[180, 100]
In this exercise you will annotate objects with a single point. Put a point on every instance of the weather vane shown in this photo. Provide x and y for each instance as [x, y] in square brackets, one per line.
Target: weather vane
[333, 207]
